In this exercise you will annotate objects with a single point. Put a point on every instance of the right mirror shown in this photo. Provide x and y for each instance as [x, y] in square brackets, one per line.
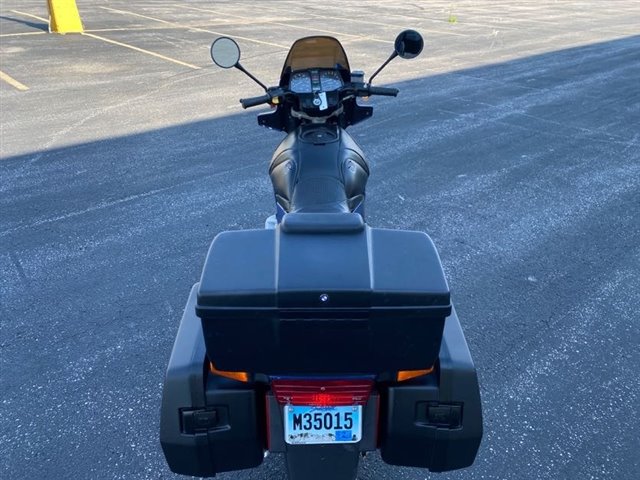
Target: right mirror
[408, 44]
[225, 52]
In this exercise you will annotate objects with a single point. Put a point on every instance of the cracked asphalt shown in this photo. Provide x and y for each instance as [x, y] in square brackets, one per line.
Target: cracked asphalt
[514, 142]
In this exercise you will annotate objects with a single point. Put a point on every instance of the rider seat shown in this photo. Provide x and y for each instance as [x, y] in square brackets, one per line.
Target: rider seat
[319, 169]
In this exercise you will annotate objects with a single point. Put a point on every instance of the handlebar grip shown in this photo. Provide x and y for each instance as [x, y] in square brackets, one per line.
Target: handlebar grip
[255, 101]
[389, 92]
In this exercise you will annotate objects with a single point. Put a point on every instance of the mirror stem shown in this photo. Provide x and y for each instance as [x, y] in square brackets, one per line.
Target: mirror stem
[241, 68]
[391, 57]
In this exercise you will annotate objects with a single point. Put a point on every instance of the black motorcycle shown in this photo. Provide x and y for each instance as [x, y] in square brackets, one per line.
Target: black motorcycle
[319, 336]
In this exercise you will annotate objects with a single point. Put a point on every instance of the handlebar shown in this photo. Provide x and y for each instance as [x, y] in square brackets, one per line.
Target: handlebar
[255, 101]
[272, 92]
[277, 91]
[389, 92]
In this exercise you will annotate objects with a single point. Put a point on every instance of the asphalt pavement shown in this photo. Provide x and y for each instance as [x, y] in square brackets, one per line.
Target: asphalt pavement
[514, 142]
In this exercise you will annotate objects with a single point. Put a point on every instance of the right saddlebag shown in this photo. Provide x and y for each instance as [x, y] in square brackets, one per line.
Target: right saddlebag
[435, 421]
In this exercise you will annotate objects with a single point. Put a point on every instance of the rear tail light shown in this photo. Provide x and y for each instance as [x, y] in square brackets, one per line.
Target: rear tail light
[322, 393]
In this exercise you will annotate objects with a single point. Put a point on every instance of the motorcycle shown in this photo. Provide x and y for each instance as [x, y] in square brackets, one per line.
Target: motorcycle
[319, 337]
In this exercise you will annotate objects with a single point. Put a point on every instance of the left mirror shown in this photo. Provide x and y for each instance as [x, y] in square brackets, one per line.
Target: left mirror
[225, 52]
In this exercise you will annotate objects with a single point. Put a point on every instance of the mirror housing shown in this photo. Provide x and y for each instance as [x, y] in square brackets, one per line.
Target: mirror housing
[408, 44]
[225, 52]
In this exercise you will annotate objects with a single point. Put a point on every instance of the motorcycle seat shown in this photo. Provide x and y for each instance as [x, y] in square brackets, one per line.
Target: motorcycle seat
[318, 169]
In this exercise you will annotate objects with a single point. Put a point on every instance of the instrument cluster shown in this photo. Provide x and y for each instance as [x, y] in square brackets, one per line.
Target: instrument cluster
[314, 80]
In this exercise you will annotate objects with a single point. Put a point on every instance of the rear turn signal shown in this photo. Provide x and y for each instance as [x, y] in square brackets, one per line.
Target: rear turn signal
[409, 374]
[239, 376]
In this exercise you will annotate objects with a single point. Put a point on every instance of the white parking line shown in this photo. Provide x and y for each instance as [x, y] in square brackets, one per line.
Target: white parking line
[125, 12]
[195, 29]
[288, 25]
[369, 22]
[30, 16]
[328, 17]
[142, 50]
[125, 45]
[21, 34]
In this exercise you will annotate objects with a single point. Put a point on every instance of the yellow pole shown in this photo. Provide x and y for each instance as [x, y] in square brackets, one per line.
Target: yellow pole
[64, 17]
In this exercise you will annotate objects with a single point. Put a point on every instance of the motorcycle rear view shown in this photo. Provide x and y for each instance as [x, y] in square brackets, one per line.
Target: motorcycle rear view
[319, 337]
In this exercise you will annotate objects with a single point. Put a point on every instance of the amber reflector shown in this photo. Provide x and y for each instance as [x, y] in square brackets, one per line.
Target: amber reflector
[409, 374]
[240, 376]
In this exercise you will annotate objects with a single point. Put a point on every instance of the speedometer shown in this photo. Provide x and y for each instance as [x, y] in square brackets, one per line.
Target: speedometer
[300, 82]
[330, 80]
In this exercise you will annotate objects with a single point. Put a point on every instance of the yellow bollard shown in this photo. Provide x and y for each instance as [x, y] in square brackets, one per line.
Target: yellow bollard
[64, 17]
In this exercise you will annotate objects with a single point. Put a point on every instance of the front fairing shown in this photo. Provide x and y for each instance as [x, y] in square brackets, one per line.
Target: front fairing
[317, 52]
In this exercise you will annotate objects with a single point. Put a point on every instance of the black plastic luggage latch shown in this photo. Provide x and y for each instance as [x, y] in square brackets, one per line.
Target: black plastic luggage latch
[440, 415]
[198, 421]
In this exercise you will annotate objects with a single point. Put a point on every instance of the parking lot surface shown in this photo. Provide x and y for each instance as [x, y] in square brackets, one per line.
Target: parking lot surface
[514, 142]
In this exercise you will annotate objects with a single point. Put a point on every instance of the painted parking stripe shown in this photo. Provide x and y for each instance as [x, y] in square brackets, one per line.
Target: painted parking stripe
[20, 34]
[125, 12]
[13, 82]
[196, 29]
[31, 16]
[142, 50]
[138, 29]
[225, 22]
[288, 25]
[260, 19]
[125, 45]
[443, 32]
[370, 22]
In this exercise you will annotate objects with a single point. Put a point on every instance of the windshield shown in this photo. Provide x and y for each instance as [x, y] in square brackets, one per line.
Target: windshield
[314, 52]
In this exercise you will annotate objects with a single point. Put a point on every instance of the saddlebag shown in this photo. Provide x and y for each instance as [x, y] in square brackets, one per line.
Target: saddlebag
[208, 424]
[323, 293]
[435, 421]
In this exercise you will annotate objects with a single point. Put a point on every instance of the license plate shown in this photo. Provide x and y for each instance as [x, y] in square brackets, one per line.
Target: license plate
[304, 425]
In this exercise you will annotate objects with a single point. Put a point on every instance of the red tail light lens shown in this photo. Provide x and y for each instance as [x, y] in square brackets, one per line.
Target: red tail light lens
[322, 393]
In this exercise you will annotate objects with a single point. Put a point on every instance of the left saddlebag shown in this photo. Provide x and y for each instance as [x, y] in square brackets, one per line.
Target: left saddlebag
[208, 424]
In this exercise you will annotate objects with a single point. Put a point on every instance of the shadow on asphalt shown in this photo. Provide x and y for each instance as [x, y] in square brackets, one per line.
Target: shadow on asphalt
[37, 25]
[126, 221]
[116, 169]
